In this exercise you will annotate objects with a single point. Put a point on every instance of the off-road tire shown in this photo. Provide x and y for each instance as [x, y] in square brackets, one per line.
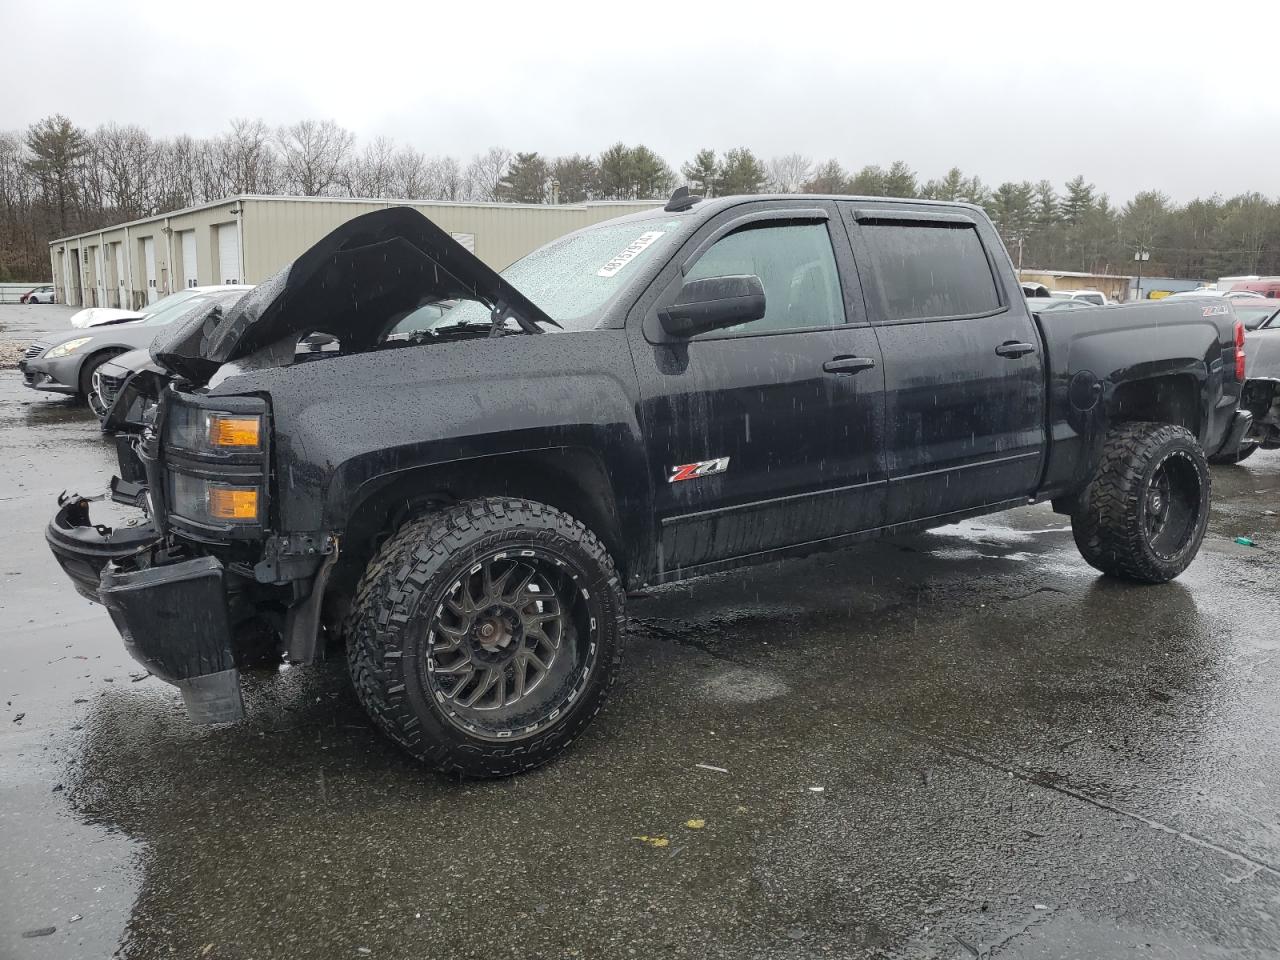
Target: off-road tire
[1246, 451]
[396, 605]
[1110, 523]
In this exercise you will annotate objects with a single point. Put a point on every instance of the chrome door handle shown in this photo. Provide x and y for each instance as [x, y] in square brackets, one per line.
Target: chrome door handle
[1014, 349]
[848, 365]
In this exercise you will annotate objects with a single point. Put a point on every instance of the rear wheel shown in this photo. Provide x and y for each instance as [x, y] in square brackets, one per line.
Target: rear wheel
[484, 638]
[1144, 513]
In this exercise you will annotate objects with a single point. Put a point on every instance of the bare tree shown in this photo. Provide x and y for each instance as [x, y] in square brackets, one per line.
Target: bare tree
[485, 172]
[788, 173]
[129, 163]
[244, 161]
[372, 173]
[313, 153]
[448, 182]
[409, 175]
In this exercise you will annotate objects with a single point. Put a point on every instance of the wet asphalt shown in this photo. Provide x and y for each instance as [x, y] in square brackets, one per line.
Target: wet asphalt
[957, 744]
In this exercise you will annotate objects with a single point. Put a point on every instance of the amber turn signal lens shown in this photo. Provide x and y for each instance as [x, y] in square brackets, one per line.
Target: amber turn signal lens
[233, 503]
[225, 431]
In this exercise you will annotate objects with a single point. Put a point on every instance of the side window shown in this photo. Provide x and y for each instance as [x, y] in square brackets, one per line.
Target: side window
[796, 267]
[930, 270]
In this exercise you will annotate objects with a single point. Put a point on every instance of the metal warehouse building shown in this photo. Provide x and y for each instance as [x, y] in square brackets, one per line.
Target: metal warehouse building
[246, 239]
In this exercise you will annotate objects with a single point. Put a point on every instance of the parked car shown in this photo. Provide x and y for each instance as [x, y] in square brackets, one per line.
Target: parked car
[1257, 315]
[112, 376]
[97, 316]
[1042, 304]
[1095, 297]
[66, 362]
[1261, 393]
[1232, 295]
[1034, 290]
[670, 394]
[39, 295]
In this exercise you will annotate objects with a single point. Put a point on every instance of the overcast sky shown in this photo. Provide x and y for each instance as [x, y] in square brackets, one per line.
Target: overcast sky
[1172, 99]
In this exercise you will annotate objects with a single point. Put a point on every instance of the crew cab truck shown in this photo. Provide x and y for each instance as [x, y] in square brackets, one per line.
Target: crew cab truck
[677, 392]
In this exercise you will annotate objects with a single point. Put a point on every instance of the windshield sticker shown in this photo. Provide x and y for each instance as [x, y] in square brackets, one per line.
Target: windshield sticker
[633, 250]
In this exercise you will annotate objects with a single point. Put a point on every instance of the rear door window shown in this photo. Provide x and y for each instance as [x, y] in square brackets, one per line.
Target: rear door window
[929, 271]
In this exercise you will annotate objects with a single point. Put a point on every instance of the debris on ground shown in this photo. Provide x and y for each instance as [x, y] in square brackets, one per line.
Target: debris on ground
[18, 718]
[707, 766]
[1245, 542]
[75, 917]
[10, 353]
[653, 841]
[695, 824]
[41, 932]
[817, 789]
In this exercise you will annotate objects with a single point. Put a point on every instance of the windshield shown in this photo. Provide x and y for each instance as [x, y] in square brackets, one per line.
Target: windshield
[164, 303]
[574, 278]
[180, 305]
[424, 318]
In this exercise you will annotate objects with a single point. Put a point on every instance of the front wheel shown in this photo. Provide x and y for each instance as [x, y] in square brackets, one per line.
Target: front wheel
[484, 637]
[1144, 513]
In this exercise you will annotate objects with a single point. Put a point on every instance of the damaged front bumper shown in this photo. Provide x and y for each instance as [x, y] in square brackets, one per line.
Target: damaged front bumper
[178, 608]
[173, 616]
[52, 376]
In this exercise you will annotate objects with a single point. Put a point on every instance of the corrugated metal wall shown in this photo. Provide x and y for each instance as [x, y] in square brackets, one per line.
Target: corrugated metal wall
[276, 230]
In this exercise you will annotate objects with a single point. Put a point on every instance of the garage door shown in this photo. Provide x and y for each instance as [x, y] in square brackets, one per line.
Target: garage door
[189, 258]
[99, 279]
[228, 253]
[149, 258]
[122, 291]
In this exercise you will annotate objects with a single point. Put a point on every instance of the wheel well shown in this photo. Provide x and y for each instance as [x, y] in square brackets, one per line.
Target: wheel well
[106, 353]
[569, 479]
[1170, 399]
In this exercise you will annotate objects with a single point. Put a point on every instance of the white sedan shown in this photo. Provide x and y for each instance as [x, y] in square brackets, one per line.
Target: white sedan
[97, 316]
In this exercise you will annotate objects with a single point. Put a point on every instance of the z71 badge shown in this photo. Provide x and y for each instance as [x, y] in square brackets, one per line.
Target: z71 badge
[704, 468]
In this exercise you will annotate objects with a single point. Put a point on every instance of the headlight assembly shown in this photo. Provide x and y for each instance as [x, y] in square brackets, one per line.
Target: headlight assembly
[211, 502]
[211, 431]
[66, 349]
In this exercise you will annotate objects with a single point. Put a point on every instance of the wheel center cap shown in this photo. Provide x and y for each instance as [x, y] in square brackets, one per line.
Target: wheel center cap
[493, 632]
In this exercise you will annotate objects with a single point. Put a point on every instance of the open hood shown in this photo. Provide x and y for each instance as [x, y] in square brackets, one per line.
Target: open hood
[354, 284]
[97, 316]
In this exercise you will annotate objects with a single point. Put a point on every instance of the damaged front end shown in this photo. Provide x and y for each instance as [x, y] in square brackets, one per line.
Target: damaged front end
[1261, 393]
[209, 579]
[198, 586]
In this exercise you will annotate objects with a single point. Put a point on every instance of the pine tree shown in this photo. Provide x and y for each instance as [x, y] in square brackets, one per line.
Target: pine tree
[900, 180]
[741, 173]
[701, 172]
[1078, 201]
[578, 178]
[828, 178]
[56, 150]
[869, 182]
[525, 181]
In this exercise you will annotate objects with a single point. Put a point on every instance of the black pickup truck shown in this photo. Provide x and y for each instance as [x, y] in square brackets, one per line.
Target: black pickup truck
[677, 392]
